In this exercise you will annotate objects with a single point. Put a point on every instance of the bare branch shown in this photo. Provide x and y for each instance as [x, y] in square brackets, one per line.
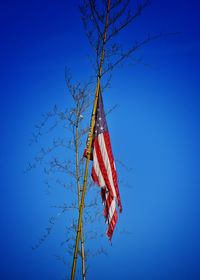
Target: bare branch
[94, 14]
[120, 13]
[129, 18]
[133, 49]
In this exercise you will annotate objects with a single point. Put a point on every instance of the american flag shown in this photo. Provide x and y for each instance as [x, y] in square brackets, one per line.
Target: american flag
[103, 170]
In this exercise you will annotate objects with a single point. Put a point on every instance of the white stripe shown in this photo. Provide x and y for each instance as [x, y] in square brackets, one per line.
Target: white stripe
[97, 169]
[106, 161]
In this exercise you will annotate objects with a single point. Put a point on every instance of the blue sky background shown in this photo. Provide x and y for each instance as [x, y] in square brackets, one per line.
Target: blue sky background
[154, 130]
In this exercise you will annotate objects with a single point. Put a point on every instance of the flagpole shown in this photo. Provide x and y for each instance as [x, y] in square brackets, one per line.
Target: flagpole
[79, 201]
[79, 228]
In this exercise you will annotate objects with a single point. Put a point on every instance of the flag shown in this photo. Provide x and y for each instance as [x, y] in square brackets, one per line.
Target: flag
[103, 170]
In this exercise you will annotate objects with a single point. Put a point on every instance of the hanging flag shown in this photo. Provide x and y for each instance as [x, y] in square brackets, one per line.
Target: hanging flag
[103, 170]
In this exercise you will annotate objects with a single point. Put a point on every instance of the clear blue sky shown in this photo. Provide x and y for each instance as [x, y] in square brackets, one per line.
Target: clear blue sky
[154, 130]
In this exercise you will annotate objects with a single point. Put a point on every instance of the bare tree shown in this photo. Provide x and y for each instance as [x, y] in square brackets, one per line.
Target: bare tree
[62, 162]
[103, 22]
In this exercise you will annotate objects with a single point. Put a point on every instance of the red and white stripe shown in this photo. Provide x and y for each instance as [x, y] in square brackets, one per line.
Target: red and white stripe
[104, 175]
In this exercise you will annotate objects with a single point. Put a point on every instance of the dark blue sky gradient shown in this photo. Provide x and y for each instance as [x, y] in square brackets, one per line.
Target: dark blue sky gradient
[154, 130]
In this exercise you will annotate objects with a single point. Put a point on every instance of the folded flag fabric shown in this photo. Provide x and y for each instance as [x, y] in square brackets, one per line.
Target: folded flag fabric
[103, 170]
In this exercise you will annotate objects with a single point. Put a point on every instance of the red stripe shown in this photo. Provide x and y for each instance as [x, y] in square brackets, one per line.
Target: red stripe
[112, 225]
[107, 203]
[94, 176]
